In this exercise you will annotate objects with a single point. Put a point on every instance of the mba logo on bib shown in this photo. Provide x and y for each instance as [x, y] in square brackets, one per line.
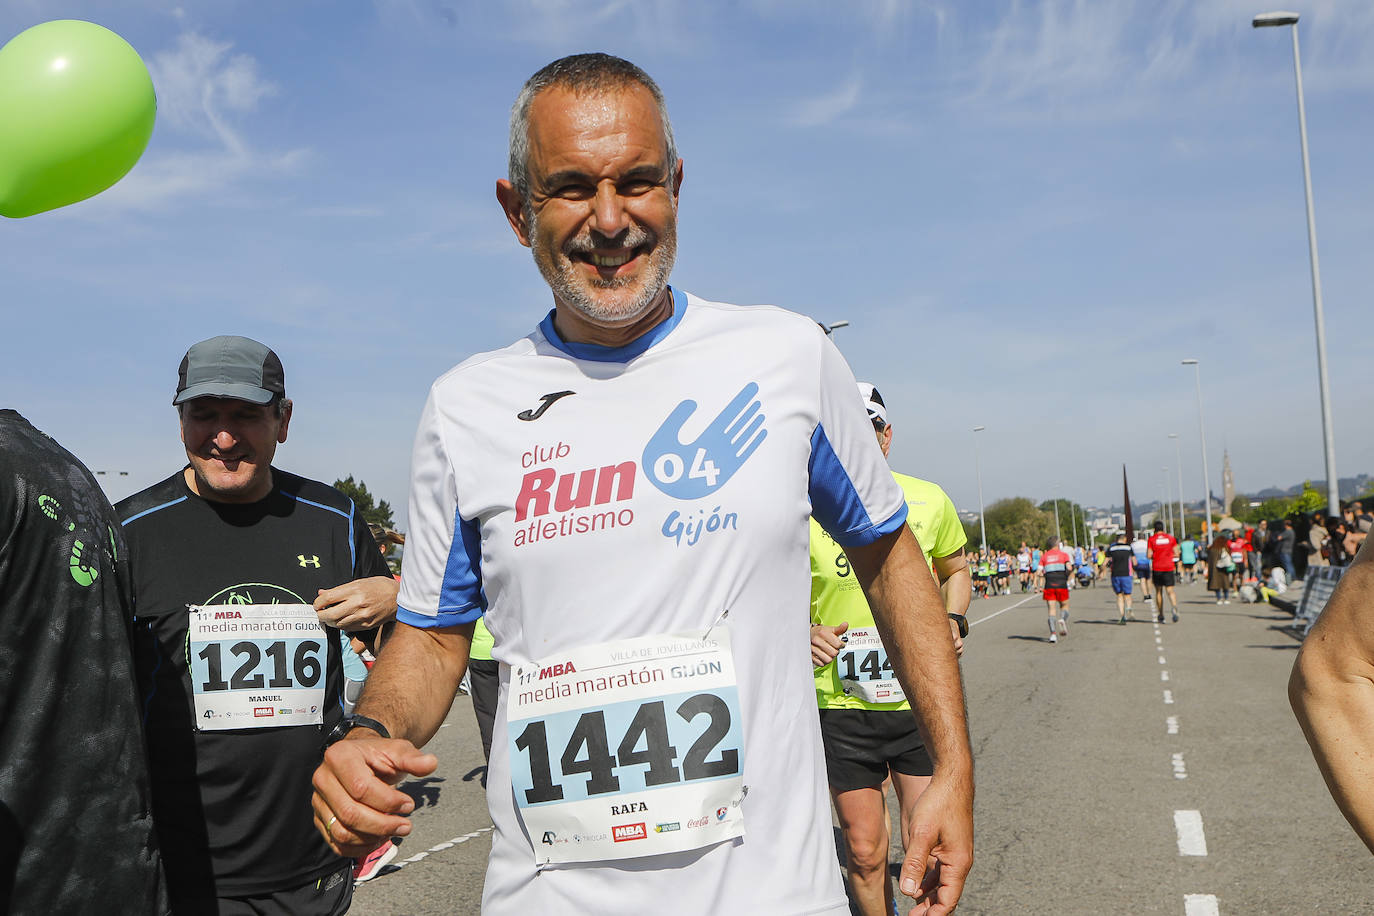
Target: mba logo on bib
[691, 470]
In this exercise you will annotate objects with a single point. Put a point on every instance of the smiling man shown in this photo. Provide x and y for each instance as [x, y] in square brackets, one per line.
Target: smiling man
[637, 547]
[241, 574]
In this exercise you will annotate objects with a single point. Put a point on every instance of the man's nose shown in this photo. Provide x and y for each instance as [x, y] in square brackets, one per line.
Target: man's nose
[608, 211]
[224, 438]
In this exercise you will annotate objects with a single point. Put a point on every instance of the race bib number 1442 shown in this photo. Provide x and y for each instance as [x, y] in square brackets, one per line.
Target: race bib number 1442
[628, 748]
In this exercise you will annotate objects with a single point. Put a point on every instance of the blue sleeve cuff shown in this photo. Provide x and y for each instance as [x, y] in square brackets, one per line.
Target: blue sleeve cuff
[445, 618]
[874, 532]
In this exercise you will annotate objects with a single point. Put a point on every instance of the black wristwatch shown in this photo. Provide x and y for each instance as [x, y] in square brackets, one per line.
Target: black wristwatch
[963, 624]
[348, 723]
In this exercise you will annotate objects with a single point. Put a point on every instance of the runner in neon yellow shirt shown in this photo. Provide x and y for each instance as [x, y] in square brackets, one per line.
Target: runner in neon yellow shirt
[867, 726]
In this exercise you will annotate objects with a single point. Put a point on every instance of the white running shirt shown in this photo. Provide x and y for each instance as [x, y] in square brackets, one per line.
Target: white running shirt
[662, 484]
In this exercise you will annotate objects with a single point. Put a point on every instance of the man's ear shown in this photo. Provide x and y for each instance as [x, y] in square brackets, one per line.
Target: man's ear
[514, 205]
[285, 419]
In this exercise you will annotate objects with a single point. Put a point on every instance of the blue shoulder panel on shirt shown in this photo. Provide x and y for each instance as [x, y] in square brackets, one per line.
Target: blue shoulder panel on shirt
[461, 599]
[134, 518]
[836, 504]
[599, 354]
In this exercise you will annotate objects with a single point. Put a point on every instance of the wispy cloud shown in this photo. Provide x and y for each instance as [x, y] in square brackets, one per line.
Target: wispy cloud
[823, 110]
[204, 91]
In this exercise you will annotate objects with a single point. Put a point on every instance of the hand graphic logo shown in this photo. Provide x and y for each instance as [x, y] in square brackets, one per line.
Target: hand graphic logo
[696, 469]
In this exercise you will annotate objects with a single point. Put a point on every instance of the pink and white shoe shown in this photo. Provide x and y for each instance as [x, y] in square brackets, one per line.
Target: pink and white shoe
[370, 867]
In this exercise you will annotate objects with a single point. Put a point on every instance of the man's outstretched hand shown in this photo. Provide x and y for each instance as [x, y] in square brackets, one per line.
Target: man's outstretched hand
[357, 806]
[939, 850]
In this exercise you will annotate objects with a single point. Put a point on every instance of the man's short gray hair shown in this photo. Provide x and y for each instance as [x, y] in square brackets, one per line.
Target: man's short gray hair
[579, 73]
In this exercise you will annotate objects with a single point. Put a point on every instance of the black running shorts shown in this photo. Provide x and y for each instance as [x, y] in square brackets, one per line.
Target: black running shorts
[1164, 579]
[861, 744]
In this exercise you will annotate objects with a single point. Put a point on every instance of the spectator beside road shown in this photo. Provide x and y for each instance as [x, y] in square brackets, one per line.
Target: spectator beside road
[1331, 693]
[1259, 546]
[1318, 541]
[1219, 568]
[1284, 549]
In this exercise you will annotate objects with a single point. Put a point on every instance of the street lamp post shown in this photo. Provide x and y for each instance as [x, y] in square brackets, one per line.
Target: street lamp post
[978, 469]
[832, 327]
[1202, 437]
[1333, 498]
[1182, 516]
[1168, 504]
[1057, 535]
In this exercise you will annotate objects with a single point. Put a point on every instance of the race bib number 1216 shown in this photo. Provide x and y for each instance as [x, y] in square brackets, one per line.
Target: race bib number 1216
[257, 665]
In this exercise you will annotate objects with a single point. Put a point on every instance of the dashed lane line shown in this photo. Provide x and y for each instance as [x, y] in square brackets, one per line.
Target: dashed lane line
[1171, 725]
[448, 844]
[1191, 840]
[1168, 697]
[1200, 905]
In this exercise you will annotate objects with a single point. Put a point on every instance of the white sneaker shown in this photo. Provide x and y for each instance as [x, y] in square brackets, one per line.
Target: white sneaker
[1054, 638]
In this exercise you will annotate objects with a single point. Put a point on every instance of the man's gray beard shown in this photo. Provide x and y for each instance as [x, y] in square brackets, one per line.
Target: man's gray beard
[567, 289]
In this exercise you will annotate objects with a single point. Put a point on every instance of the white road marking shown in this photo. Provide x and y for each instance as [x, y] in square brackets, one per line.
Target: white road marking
[1158, 641]
[1161, 660]
[1171, 725]
[1180, 771]
[447, 844]
[1191, 841]
[974, 623]
[1168, 696]
[1200, 905]
[1163, 675]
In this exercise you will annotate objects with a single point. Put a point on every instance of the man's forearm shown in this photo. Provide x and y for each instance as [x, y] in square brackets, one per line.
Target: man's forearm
[914, 627]
[413, 683]
[957, 591]
[1332, 692]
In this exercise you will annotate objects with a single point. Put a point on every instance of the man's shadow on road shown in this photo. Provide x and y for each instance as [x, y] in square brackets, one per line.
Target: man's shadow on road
[423, 792]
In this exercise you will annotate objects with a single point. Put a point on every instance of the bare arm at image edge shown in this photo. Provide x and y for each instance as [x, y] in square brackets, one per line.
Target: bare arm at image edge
[1332, 692]
[409, 691]
[912, 621]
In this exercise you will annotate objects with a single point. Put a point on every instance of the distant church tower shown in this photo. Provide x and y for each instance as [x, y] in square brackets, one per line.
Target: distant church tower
[1228, 483]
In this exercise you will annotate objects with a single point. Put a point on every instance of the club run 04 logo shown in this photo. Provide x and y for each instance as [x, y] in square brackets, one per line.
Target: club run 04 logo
[555, 502]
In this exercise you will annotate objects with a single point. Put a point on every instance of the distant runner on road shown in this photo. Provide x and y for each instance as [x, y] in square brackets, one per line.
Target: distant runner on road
[1163, 551]
[1057, 565]
[1122, 560]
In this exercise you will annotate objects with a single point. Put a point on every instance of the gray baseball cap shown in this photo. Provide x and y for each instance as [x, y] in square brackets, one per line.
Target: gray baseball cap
[230, 367]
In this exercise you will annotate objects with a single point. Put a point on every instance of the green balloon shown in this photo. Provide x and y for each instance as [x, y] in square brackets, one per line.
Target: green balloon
[76, 111]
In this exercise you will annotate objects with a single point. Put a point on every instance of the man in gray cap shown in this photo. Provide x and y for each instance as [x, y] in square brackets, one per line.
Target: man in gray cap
[243, 573]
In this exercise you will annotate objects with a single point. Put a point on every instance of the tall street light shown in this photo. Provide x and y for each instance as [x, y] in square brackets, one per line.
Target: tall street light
[832, 327]
[978, 469]
[1182, 517]
[1333, 498]
[1057, 535]
[1167, 507]
[1202, 437]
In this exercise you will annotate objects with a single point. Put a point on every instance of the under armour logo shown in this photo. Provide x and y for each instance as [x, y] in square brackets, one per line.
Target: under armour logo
[544, 403]
[308, 561]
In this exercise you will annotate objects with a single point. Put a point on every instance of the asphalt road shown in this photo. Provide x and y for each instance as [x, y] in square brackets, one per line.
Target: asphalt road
[1105, 764]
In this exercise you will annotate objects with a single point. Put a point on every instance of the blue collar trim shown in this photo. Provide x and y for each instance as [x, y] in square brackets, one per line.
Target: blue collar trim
[600, 354]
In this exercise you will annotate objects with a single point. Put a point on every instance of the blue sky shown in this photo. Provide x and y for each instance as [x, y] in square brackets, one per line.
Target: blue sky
[1028, 212]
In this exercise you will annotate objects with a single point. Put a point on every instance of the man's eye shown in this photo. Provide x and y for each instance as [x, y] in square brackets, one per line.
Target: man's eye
[573, 192]
[638, 186]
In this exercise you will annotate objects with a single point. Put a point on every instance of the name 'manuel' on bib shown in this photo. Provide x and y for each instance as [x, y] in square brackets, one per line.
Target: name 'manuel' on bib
[628, 748]
[256, 665]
